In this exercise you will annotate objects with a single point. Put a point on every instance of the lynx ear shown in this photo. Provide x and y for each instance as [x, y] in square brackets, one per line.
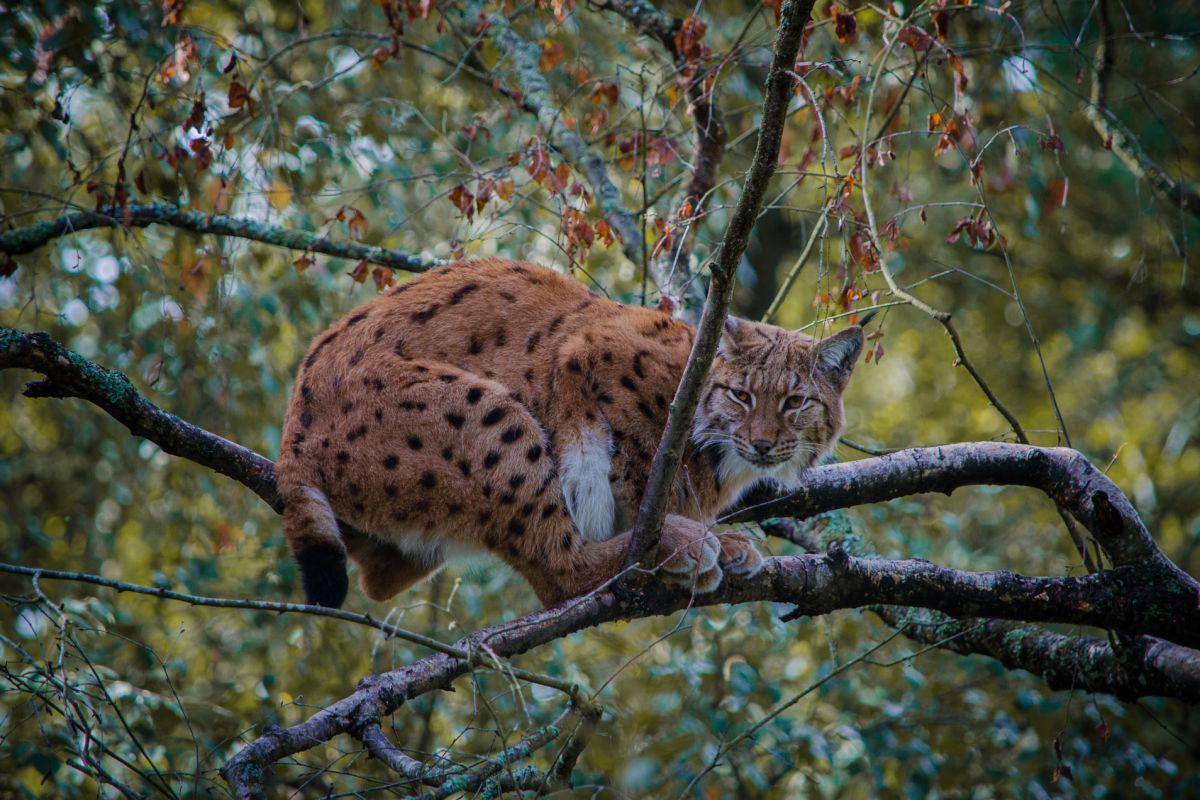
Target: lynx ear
[731, 337]
[837, 354]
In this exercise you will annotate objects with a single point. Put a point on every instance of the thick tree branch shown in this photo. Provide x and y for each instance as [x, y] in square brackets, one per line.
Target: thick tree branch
[944, 317]
[1064, 475]
[1147, 667]
[1146, 594]
[1126, 598]
[69, 374]
[648, 527]
[31, 237]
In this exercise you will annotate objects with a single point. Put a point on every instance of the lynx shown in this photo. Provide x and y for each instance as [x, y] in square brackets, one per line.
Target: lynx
[499, 406]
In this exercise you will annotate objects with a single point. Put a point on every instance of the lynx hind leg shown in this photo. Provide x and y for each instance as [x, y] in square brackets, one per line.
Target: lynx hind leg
[383, 569]
[316, 545]
[438, 462]
[585, 464]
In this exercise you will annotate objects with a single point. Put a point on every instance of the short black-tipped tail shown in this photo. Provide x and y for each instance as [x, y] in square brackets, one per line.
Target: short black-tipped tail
[312, 534]
[866, 318]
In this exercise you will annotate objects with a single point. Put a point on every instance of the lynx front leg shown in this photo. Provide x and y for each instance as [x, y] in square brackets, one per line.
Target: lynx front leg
[585, 462]
[688, 554]
[584, 444]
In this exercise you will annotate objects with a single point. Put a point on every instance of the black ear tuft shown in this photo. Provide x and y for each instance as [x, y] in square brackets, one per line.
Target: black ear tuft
[323, 573]
[838, 353]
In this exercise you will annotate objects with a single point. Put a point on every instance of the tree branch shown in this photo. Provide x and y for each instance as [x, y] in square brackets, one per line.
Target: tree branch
[69, 374]
[1064, 475]
[1116, 136]
[708, 144]
[456, 778]
[1145, 594]
[648, 527]
[1126, 598]
[162, 593]
[536, 98]
[397, 760]
[1150, 667]
[31, 237]
[942, 317]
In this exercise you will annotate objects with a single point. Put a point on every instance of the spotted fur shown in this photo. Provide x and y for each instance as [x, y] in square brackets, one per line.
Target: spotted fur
[497, 406]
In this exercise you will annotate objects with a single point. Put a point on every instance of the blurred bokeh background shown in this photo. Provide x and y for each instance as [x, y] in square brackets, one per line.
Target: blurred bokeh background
[1074, 292]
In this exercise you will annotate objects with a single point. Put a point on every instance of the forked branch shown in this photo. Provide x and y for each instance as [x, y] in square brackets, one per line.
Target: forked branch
[794, 17]
[1143, 665]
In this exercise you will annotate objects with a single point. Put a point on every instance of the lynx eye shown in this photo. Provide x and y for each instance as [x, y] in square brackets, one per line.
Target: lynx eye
[796, 402]
[740, 396]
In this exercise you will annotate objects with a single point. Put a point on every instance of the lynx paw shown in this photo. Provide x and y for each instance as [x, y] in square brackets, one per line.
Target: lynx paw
[688, 553]
[739, 555]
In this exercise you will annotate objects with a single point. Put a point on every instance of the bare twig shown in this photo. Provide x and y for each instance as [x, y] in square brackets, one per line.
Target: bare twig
[942, 317]
[481, 660]
[779, 709]
[793, 273]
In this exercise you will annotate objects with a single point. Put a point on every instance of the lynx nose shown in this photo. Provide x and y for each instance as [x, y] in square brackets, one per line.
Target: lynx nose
[761, 446]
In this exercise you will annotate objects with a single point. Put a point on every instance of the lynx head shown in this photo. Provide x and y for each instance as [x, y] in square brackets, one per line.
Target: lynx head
[772, 405]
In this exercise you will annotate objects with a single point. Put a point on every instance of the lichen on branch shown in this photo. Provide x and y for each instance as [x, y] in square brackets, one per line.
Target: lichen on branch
[30, 237]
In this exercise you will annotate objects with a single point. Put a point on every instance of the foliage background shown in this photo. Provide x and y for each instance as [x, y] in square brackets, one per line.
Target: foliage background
[212, 329]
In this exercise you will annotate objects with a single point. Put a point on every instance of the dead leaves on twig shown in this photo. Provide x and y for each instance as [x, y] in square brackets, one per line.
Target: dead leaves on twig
[552, 55]
[845, 24]
[302, 263]
[977, 230]
[240, 99]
